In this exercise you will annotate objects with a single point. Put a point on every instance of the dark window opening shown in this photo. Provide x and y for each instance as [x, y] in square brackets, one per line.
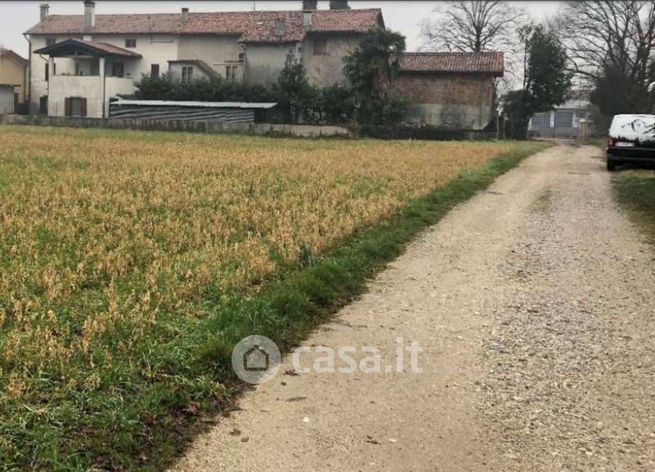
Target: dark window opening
[117, 69]
[130, 42]
[47, 72]
[50, 41]
[320, 46]
[154, 71]
[43, 104]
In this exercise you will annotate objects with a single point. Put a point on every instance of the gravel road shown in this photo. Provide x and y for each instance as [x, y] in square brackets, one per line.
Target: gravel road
[533, 304]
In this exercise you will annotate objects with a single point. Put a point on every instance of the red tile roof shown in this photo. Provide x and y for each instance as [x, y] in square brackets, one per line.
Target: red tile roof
[101, 49]
[251, 26]
[453, 62]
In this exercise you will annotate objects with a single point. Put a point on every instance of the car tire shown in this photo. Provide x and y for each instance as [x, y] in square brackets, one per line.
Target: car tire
[611, 164]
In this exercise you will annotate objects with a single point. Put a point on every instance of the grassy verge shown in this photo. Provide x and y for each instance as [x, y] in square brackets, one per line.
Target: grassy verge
[138, 418]
[635, 190]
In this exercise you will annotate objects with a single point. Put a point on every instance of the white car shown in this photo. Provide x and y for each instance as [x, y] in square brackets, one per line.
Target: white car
[631, 139]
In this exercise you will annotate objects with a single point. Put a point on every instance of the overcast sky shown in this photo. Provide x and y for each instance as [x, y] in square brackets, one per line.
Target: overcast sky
[18, 16]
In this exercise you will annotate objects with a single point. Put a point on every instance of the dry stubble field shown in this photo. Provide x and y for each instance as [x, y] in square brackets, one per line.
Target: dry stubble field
[121, 253]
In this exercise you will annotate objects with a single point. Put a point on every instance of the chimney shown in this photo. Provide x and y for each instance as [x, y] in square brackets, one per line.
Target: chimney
[89, 15]
[307, 20]
[339, 5]
[279, 28]
[309, 4]
[45, 10]
[185, 15]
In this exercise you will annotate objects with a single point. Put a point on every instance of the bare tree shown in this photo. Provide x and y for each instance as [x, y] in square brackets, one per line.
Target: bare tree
[611, 47]
[473, 26]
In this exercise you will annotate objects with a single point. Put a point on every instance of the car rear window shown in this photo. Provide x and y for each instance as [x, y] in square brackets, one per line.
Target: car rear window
[633, 127]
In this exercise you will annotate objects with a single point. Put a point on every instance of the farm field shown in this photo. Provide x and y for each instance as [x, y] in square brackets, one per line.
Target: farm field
[132, 262]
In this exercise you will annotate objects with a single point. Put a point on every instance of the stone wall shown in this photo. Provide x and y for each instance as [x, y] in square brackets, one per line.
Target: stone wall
[453, 100]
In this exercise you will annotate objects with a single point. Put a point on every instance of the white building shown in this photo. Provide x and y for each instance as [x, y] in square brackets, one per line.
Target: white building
[79, 62]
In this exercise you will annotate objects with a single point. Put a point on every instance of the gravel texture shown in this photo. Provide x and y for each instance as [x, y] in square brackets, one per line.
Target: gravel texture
[533, 305]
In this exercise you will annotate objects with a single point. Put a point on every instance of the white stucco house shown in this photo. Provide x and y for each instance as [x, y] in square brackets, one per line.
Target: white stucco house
[79, 62]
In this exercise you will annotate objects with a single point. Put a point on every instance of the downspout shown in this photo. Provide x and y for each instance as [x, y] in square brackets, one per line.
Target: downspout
[29, 76]
[104, 86]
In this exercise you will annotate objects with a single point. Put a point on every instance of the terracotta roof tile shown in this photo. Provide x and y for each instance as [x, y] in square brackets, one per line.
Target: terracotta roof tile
[251, 26]
[462, 62]
[95, 46]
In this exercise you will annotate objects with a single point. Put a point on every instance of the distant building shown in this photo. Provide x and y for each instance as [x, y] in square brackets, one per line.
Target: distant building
[79, 62]
[450, 89]
[13, 74]
[572, 119]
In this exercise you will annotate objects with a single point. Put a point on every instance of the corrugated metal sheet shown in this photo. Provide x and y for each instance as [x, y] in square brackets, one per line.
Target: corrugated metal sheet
[164, 110]
[253, 105]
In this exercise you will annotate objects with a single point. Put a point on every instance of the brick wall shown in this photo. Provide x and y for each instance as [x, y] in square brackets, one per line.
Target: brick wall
[456, 101]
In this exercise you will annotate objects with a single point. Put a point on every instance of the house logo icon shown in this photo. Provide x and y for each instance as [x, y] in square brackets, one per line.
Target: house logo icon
[256, 359]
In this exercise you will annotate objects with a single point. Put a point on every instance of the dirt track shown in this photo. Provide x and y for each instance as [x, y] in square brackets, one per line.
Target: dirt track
[533, 303]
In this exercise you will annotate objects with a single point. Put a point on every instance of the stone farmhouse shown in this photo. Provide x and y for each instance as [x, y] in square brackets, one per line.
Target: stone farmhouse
[79, 62]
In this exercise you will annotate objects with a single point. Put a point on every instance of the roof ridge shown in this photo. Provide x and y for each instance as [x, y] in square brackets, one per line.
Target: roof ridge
[451, 52]
[237, 12]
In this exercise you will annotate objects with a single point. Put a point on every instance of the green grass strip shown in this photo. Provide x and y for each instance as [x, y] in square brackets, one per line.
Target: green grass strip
[635, 190]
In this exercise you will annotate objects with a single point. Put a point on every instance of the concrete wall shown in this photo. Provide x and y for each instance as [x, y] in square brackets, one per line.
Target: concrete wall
[155, 49]
[327, 69]
[89, 87]
[262, 129]
[13, 72]
[216, 51]
[456, 101]
[71, 86]
[6, 99]
[265, 62]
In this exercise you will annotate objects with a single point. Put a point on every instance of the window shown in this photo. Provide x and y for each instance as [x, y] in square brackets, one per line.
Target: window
[78, 69]
[75, 106]
[187, 73]
[231, 73]
[47, 72]
[117, 69]
[43, 104]
[50, 41]
[154, 71]
[320, 46]
[130, 42]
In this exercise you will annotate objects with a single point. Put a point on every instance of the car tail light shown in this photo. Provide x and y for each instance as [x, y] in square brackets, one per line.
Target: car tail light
[610, 142]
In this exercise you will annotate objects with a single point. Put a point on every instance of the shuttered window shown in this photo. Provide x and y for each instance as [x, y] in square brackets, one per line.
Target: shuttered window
[75, 106]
